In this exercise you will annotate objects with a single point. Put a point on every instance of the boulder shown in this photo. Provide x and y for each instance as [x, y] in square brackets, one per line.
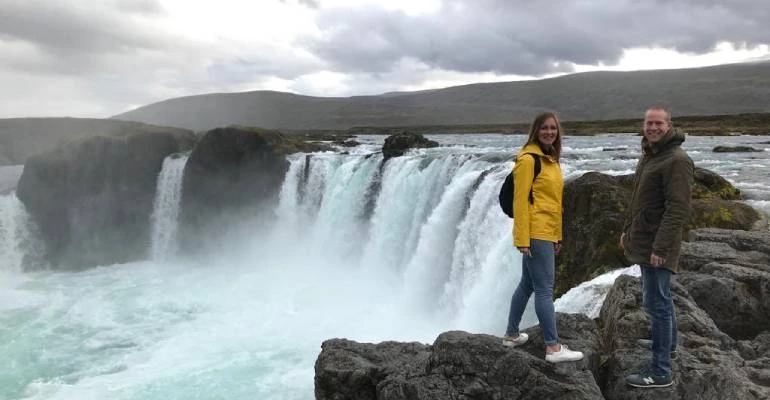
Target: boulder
[710, 364]
[92, 198]
[735, 149]
[595, 207]
[233, 176]
[396, 145]
[459, 365]
[594, 211]
[718, 213]
[727, 273]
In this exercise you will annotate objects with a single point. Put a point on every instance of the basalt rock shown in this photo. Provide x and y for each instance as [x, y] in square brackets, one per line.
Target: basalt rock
[595, 208]
[710, 364]
[397, 144]
[727, 273]
[735, 149]
[233, 178]
[92, 198]
[459, 365]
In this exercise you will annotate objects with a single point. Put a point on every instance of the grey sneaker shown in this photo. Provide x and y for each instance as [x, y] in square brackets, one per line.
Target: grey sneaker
[516, 340]
[647, 379]
[563, 355]
[647, 344]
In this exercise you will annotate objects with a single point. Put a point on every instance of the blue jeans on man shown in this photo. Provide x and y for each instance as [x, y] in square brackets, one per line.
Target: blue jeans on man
[657, 301]
[537, 275]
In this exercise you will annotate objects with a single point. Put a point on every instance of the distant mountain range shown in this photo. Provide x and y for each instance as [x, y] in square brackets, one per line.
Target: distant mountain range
[724, 89]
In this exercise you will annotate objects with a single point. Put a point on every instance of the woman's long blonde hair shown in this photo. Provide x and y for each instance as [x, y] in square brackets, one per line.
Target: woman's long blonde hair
[553, 150]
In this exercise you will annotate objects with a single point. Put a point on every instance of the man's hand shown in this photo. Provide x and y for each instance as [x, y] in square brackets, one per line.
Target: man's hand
[556, 248]
[656, 260]
[525, 251]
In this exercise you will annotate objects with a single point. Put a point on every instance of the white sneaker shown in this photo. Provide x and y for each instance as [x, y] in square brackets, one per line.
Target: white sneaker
[565, 354]
[513, 341]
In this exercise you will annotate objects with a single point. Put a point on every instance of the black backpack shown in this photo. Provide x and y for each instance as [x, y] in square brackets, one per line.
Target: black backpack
[506, 191]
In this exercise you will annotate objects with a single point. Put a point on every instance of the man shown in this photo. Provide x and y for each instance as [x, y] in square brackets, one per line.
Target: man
[652, 237]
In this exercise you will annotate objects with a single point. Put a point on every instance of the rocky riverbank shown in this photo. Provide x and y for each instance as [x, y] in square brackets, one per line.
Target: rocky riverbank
[721, 296]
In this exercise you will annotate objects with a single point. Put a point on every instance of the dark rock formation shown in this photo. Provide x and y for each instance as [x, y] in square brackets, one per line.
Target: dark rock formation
[233, 176]
[347, 143]
[709, 365]
[735, 149]
[728, 274]
[396, 145]
[92, 198]
[708, 185]
[595, 210]
[458, 365]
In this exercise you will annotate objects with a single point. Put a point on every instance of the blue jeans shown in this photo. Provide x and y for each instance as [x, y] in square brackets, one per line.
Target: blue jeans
[657, 301]
[537, 275]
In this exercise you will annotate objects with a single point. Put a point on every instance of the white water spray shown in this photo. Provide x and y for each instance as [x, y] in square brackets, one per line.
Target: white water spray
[165, 213]
[17, 239]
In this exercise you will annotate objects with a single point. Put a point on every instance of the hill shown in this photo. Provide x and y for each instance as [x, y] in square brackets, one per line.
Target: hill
[724, 89]
[23, 137]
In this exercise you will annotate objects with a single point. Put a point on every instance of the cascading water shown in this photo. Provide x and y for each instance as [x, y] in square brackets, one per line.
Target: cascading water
[165, 211]
[19, 246]
[370, 251]
[436, 230]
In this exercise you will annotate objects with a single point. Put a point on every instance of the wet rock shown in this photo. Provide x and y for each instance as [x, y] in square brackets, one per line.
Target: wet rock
[458, 365]
[233, 176]
[397, 144]
[728, 275]
[92, 198]
[595, 210]
[708, 365]
[735, 149]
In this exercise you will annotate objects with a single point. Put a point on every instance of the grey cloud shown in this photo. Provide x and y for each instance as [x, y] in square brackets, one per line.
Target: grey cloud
[147, 7]
[307, 3]
[310, 3]
[58, 27]
[531, 38]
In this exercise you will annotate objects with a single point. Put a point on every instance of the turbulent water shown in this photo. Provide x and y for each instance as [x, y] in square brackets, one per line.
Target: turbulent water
[368, 253]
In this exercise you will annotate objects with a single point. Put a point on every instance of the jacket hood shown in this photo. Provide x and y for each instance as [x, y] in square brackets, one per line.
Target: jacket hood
[674, 138]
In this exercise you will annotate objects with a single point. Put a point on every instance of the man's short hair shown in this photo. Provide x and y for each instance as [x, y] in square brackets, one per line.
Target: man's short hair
[661, 108]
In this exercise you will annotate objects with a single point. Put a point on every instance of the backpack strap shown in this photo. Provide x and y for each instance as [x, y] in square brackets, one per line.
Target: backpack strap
[537, 172]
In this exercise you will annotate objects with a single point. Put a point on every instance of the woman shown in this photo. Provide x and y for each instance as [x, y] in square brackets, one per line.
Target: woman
[537, 219]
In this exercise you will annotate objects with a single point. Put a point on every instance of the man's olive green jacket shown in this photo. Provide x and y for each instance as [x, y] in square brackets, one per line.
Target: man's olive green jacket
[660, 204]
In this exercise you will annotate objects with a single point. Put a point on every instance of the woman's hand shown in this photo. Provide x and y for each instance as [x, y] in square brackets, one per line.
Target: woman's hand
[525, 251]
[556, 248]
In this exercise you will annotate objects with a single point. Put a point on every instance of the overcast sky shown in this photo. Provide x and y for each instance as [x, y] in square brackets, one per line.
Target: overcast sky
[97, 58]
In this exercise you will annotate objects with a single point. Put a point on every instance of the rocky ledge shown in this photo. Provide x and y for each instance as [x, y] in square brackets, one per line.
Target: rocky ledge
[721, 298]
[397, 144]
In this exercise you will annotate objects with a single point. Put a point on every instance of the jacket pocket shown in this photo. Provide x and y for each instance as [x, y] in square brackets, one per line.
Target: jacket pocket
[546, 220]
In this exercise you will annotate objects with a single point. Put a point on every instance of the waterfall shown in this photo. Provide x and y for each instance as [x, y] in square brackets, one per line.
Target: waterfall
[436, 227]
[20, 248]
[165, 213]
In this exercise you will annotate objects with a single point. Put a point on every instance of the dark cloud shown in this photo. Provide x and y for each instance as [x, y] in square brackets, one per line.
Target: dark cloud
[98, 58]
[531, 38]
